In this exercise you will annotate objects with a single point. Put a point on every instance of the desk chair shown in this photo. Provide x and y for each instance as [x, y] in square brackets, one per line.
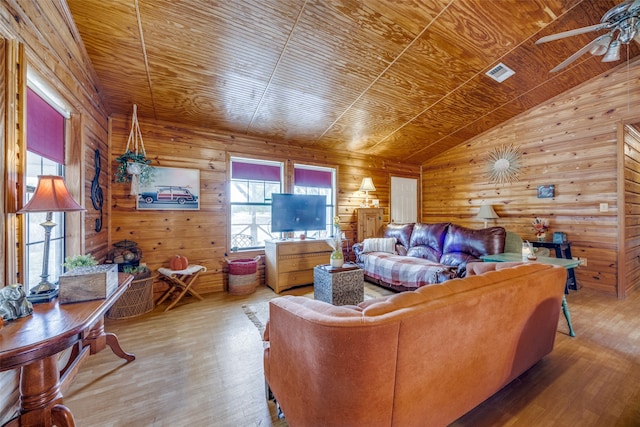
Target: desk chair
[180, 282]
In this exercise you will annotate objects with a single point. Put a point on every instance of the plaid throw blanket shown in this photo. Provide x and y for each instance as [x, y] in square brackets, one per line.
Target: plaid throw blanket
[404, 270]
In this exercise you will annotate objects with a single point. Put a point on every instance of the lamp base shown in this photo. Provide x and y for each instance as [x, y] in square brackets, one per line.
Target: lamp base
[42, 297]
[43, 287]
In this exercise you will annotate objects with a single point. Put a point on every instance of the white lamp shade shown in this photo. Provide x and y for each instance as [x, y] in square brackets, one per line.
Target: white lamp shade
[487, 212]
[367, 184]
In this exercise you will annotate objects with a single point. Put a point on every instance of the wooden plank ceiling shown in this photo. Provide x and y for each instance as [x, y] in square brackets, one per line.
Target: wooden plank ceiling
[404, 80]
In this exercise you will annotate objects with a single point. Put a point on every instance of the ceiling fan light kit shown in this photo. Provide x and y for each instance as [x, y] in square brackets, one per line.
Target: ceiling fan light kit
[623, 19]
[613, 53]
[602, 45]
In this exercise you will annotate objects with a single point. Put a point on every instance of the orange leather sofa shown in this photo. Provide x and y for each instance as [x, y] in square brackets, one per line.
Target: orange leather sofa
[417, 358]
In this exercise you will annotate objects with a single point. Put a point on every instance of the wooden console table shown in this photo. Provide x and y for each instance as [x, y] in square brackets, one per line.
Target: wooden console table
[32, 344]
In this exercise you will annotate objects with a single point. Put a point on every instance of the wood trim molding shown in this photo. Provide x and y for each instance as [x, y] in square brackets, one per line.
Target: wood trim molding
[620, 285]
[15, 87]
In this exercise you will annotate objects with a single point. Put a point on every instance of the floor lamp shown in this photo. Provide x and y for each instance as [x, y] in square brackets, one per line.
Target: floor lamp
[51, 195]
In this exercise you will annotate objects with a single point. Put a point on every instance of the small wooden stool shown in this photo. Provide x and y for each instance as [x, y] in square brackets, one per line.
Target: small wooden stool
[180, 281]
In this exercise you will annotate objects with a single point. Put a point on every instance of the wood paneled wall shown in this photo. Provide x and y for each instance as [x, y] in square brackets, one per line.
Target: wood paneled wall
[570, 142]
[202, 236]
[631, 174]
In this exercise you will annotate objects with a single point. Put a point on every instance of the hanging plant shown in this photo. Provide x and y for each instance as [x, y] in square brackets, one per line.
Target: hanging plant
[134, 167]
[131, 163]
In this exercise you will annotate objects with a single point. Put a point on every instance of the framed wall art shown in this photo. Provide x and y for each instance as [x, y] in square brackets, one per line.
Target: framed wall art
[546, 191]
[170, 189]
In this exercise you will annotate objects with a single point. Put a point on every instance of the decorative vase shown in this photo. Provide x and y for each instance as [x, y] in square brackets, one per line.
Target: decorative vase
[337, 259]
[541, 237]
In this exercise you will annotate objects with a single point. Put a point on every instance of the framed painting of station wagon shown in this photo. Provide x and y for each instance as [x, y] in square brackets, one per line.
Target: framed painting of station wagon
[170, 189]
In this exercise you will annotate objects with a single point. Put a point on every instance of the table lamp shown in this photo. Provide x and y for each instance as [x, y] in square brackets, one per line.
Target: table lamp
[366, 186]
[486, 213]
[51, 195]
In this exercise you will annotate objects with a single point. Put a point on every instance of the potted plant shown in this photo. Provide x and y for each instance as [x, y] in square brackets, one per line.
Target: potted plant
[79, 261]
[133, 164]
[139, 272]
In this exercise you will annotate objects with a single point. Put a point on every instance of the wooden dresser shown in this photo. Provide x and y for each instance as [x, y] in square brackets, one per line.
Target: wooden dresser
[369, 223]
[290, 262]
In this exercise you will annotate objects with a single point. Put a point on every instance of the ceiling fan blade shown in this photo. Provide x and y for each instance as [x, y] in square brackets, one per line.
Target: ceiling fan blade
[578, 54]
[570, 33]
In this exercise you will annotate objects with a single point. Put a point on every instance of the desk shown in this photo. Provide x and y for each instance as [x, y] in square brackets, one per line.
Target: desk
[32, 344]
[562, 262]
[563, 250]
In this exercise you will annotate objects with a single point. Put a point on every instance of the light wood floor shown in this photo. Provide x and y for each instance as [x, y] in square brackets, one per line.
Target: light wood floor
[200, 364]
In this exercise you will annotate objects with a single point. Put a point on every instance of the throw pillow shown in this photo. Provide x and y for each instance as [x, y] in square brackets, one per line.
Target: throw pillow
[382, 244]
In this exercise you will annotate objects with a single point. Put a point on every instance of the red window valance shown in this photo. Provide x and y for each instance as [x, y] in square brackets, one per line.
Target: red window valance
[312, 178]
[45, 128]
[255, 171]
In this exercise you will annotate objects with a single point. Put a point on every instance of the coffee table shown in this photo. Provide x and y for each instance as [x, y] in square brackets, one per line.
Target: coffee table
[338, 286]
[563, 262]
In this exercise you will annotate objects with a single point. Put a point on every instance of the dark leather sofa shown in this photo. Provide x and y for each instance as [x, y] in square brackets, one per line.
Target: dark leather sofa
[446, 247]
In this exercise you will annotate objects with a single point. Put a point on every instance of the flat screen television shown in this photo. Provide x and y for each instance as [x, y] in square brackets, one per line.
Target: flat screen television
[298, 212]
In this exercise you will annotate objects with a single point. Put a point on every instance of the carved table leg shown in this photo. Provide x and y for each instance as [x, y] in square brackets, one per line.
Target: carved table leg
[98, 339]
[40, 396]
[62, 416]
[112, 341]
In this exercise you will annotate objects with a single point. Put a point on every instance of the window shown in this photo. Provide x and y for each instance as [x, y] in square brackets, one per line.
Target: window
[45, 156]
[252, 183]
[317, 181]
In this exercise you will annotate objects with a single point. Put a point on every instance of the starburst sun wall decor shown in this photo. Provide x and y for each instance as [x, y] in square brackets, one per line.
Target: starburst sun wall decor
[504, 164]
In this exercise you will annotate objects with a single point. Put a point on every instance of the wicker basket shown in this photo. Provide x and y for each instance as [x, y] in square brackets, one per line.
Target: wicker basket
[243, 276]
[135, 301]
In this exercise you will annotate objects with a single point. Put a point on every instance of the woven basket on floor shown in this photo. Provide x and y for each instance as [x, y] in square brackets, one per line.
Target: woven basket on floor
[243, 276]
[135, 301]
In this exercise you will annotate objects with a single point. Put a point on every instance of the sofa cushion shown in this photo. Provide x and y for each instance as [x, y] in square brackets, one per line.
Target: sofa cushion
[402, 233]
[405, 272]
[382, 244]
[462, 245]
[427, 241]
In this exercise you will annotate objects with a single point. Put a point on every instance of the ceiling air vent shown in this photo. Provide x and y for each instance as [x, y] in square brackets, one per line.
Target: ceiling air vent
[500, 73]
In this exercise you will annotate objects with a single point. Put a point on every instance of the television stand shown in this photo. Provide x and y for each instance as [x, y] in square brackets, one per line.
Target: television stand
[290, 263]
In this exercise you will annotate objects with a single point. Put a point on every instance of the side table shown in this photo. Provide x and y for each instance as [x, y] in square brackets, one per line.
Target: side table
[338, 286]
[180, 283]
[567, 264]
[563, 250]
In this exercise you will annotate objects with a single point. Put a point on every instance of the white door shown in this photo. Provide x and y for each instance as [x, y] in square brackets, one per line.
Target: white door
[404, 200]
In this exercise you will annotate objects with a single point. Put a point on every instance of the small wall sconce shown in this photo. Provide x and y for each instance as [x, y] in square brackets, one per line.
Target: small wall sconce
[486, 213]
[366, 186]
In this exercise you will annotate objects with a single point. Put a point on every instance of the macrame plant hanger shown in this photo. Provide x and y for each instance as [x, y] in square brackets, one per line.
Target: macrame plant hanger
[135, 145]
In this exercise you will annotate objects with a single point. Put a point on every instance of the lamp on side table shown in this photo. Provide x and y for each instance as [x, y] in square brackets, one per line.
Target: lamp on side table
[51, 195]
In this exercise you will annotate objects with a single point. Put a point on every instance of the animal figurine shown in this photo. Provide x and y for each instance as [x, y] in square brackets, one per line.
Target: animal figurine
[14, 303]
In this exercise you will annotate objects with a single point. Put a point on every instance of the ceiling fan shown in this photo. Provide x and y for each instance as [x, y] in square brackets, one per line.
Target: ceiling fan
[623, 19]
